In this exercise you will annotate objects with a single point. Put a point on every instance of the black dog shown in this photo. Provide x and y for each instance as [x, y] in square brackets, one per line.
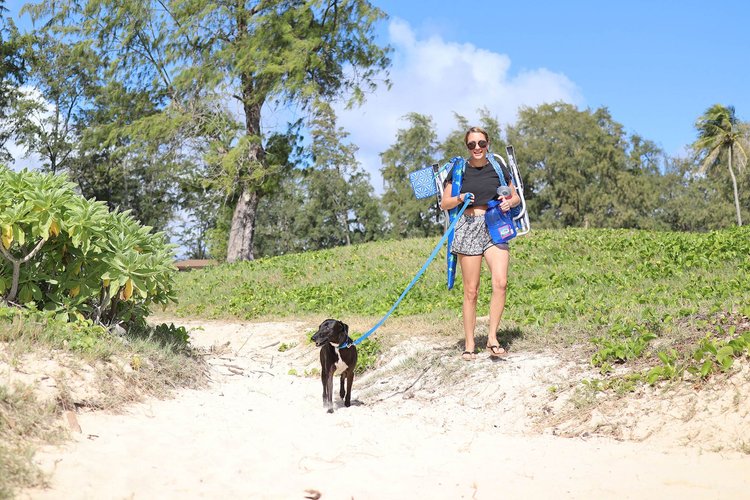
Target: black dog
[330, 335]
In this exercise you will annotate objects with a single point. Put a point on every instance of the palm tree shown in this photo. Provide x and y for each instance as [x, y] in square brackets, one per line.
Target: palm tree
[720, 131]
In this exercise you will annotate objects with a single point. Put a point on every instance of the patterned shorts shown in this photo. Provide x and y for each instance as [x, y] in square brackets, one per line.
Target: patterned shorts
[471, 236]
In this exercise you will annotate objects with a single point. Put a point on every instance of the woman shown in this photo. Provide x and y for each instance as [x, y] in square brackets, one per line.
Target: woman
[472, 239]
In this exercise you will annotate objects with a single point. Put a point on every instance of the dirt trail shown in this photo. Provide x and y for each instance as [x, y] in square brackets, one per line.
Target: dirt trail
[467, 430]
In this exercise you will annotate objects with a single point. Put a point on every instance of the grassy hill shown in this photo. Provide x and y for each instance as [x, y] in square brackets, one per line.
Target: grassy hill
[573, 285]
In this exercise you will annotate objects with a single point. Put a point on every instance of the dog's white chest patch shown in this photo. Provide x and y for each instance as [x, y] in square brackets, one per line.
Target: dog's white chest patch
[340, 366]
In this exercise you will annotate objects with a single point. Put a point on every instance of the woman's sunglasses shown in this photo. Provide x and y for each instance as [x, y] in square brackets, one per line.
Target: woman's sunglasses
[473, 144]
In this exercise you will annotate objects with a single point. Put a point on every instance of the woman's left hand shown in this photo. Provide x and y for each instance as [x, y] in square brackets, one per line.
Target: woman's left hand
[505, 205]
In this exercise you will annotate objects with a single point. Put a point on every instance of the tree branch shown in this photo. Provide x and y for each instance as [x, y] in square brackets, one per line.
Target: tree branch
[17, 267]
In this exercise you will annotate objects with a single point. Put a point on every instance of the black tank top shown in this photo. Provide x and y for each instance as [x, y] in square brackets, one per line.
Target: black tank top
[482, 181]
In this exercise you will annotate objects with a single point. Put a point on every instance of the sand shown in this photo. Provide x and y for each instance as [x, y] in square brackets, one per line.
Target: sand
[424, 425]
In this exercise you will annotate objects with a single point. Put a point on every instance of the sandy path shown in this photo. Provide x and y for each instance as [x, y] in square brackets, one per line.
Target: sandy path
[258, 432]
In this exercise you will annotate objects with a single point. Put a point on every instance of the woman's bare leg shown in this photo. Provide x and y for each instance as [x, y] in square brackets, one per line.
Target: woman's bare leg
[498, 260]
[471, 265]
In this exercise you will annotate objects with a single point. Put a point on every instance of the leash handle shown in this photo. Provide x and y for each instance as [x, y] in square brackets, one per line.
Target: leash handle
[419, 274]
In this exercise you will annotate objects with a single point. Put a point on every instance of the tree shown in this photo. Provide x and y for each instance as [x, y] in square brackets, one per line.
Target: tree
[455, 145]
[324, 199]
[577, 169]
[12, 76]
[46, 120]
[128, 166]
[284, 52]
[80, 124]
[281, 216]
[689, 202]
[640, 186]
[340, 193]
[282, 227]
[415, 147]
[721, 135]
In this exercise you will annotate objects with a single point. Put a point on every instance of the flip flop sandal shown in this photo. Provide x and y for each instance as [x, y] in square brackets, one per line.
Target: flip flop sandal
[496, 351]
[468, 356]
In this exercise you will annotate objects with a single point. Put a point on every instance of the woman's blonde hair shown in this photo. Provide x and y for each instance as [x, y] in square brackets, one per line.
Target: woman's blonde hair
[476, 129]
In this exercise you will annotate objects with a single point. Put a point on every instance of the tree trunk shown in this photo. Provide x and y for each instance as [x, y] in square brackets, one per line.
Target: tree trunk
[242, 231]
[345, 226]
[736, 192]
[17, 267]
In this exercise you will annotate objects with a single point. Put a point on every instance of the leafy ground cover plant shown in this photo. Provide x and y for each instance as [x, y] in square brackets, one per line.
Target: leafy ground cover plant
[63, 253]
[367, 353]
[626, 296]
[575, 278]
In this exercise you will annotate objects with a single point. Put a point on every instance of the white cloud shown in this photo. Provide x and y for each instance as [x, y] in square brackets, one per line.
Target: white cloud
[438, 78]
[22, 159]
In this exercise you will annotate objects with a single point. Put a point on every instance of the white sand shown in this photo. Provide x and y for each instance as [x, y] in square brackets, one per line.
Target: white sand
[259, 432]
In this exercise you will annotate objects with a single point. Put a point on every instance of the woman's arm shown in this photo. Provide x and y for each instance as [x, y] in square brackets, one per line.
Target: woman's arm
[513, 201]
[448, 201]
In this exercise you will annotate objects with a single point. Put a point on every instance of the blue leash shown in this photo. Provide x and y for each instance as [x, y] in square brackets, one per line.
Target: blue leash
[416, 278]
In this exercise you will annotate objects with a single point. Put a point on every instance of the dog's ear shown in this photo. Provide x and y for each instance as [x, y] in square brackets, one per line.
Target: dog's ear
[345, 327]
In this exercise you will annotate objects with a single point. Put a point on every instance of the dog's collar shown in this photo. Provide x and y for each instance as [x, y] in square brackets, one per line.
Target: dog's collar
[347, 344]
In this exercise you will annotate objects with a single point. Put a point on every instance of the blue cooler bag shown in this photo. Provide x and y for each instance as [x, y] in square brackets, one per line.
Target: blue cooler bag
[423, 183]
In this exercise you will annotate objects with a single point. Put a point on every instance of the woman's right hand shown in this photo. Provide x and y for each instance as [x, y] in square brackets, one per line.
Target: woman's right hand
[463, 196]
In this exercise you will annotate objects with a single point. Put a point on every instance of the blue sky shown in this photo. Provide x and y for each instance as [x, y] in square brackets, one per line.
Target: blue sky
[655, 65]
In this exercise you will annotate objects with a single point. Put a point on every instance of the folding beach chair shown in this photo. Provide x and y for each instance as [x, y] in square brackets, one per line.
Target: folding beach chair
[429, 181]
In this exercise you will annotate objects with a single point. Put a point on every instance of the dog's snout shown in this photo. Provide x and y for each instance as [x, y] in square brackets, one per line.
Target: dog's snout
[318, 338]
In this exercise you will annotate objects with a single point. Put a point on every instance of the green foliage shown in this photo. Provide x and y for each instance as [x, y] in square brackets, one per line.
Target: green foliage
[283, 347]
[625, 341]
[77, 334]
[169, 334]
[78, 122]
[722, 137]
[12, 76]
[669, 369]
[62, 76]
[285, 52]
[689, 202]
[338, 207]
[581, 170]
[585, 279]
[415, 148]
[71, 256]
[82, 335]
[367, 354]
[365, 279]
[713, 355]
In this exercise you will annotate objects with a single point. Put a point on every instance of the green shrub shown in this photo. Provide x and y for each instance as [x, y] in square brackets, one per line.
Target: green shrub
[62, 253]
[367, 354]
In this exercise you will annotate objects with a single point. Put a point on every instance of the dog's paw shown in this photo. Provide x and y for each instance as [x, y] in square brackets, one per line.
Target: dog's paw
[330, 410]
